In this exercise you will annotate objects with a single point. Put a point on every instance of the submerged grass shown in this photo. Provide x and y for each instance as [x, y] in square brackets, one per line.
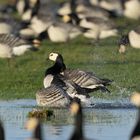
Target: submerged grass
[43, 114]
[24, 76]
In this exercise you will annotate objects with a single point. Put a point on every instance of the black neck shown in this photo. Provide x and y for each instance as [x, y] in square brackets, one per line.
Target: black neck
[2, 136]
[37, 133]
[35, 9]
[57, 68]
[78, 130]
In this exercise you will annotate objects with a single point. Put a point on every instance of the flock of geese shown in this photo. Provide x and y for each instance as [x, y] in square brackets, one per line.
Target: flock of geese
[37, 21]
[35, 125]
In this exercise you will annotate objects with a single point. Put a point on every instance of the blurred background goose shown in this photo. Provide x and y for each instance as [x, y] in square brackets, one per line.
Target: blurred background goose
[132, 39]
[62, 32]
[135, 99]
[34, 125]
[13, 46]
[98, 28]
[27, 8]
[114, 6]
[94, 26]
[82, 9]
[2, 133]
[86, 80]
[37, 28]
[10, 25]
[132, 9]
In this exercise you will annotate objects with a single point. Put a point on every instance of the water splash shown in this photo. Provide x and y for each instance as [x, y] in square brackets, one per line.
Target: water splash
[99, 103]
[121, 91]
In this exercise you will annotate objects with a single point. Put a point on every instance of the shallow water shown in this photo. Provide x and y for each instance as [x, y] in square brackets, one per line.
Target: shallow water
[107, 120]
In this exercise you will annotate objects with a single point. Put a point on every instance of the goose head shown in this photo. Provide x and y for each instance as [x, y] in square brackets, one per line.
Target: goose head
[56, 57]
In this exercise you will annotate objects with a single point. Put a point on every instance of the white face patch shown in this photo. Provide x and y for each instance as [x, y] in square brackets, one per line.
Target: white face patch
[53, 56]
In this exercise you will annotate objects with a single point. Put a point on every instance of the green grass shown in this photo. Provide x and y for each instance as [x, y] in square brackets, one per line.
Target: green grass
[25, 74]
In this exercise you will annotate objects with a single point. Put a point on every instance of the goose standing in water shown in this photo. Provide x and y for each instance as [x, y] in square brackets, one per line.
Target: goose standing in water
[34, 125]
[61, 85]
[135, 99]
[58, 91]
[87, 80]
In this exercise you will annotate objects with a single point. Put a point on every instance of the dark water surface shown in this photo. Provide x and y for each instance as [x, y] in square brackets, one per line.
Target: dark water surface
[107, 120]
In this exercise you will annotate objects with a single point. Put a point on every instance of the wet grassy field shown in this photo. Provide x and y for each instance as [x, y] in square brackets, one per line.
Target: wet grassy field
[24, 76]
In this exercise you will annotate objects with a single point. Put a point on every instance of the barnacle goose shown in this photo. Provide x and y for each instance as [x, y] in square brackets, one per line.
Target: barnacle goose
[62, 32]
[2, 133]
[132, 39]
[13, 46]
[76, 110]
[27, 8]
[93, 27]
[113, 6]
[132, 9]
[11, 25]
[98, 27]
[61, 85]
[135, 99]
[34, 125]
[58, 91]
[87, 80]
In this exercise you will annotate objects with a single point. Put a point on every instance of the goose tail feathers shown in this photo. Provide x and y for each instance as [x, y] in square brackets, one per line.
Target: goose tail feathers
[106, 82]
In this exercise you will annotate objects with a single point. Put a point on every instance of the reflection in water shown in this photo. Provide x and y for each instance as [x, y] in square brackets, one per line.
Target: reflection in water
[107, 120]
